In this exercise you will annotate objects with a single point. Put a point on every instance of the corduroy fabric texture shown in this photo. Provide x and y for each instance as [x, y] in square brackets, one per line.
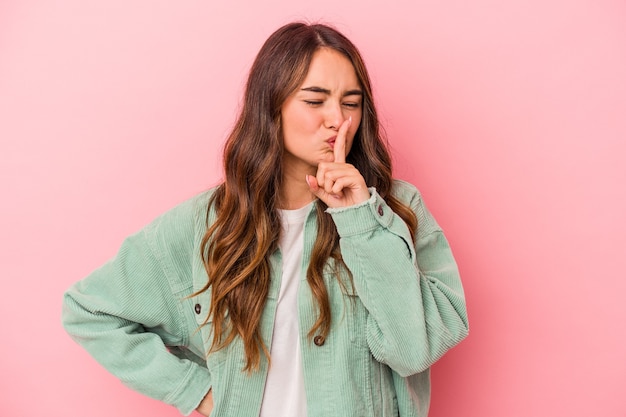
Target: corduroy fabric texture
[405, 309]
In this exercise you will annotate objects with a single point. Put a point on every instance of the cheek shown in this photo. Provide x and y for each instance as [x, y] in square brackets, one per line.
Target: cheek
[300, 122]
[356, 121]
[310, 122]
[351, 133]
[349, 142]
[355, 126]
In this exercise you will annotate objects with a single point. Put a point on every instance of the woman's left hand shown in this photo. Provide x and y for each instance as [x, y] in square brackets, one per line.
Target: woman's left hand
[206, 405]
[337, 183]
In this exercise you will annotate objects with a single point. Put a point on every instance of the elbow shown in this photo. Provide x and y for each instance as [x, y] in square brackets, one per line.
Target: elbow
[421, 356]
[68, 316]
[73, 316]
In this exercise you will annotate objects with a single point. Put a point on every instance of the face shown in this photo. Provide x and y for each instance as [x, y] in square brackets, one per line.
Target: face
[312, 115]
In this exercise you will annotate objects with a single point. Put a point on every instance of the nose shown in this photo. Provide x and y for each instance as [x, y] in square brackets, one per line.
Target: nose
[334, 116]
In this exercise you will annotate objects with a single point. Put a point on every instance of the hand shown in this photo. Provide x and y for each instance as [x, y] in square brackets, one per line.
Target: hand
[206, 405]
[337, 183]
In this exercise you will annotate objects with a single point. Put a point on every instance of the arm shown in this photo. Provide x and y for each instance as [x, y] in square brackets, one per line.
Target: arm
[412, 290]
[126, 313]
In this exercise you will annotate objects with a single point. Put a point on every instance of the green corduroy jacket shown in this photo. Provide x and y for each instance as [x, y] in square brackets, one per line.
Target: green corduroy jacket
[404, 310]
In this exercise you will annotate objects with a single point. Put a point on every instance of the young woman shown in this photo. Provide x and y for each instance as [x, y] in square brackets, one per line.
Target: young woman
[309, 283]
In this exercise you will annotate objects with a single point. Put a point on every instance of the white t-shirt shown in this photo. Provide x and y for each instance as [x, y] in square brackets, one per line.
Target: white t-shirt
[284, 394]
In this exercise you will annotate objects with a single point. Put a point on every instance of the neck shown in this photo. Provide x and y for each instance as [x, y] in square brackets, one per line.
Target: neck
[295, 191]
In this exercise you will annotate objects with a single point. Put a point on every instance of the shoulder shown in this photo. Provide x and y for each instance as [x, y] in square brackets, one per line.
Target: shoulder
[190, 210]
[410, 196]
[182, 223]
[406, 192]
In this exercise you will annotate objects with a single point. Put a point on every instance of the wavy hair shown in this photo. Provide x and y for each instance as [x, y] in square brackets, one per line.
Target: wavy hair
[237, 246]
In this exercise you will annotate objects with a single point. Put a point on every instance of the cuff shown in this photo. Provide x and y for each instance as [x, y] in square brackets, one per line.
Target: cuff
[362, 217]
[189, 394]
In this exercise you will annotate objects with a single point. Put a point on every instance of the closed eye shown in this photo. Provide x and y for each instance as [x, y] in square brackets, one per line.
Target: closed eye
[313, 102]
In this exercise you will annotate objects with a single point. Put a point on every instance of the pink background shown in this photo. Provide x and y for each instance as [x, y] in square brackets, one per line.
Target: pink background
[509, 116]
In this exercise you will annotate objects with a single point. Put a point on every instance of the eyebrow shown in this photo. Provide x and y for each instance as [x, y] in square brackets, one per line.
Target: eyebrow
[355, 92]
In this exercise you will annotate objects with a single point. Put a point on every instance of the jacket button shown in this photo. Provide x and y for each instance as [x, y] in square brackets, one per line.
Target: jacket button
[197, 308]
[319, 340]
[380, 210]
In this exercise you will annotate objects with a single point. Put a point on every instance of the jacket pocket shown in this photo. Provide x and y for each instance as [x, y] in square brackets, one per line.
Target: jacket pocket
[383, 391]
[200, 304]
[347, 309]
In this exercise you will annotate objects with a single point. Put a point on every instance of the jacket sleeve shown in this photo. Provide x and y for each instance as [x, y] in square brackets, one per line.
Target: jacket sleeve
[411, 290]
[127, 313]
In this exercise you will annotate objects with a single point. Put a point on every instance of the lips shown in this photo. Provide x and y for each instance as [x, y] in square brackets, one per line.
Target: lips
[331, 141]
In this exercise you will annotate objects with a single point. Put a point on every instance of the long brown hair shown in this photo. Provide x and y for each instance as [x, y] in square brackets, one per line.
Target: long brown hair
[237, 246]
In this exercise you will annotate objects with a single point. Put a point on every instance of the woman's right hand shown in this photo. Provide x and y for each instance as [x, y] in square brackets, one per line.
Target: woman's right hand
[206, 405]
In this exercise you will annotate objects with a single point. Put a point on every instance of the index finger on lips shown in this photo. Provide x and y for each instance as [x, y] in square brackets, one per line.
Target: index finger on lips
[339, 149]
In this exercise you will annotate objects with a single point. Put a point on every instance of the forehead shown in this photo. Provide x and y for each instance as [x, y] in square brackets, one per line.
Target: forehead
[331, 69]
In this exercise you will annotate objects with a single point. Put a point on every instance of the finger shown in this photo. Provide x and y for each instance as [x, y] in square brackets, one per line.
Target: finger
[314, 187]
[339, 185]
[312, 183]
[320, 175]
[327, 173]
[339, 149]
[316, 190]
[331, 200]
[346, 182]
